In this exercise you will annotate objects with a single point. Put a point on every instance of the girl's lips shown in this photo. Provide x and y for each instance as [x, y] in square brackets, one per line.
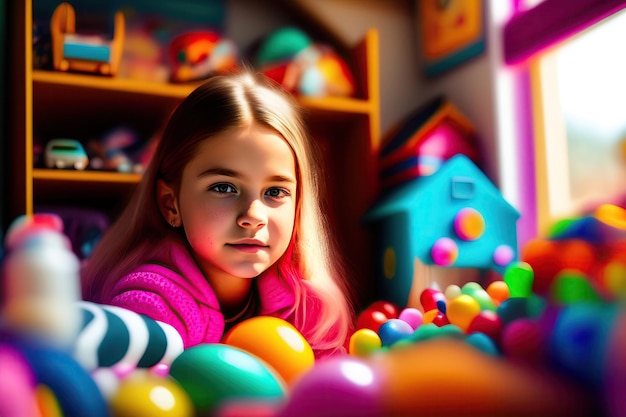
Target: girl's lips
[248, 247]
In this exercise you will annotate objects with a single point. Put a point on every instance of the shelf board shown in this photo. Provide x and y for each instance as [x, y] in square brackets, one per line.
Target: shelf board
[85, 176]
[126, 85]
[113, 83]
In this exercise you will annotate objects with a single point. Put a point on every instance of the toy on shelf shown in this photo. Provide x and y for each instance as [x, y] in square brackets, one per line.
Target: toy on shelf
[447, 227]
[121, 149]
[304, 67]
[73, 51]
[65, 154]
[198, 55]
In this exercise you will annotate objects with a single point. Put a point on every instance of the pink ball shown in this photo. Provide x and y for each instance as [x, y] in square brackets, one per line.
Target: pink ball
[522, 340]
[503, 255]
[341, 386]
[412, 316]
[444, 251]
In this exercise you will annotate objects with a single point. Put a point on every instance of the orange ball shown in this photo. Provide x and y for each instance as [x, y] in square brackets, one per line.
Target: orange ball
[275, 341]
[498, 291]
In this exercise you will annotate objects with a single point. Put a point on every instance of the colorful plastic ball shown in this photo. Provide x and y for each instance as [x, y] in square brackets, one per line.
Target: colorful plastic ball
[581, 337]
[431, 331]
[452, 291]
[544, 258]
[389, 309]
[430, 315]
[469, 224]
[394, 330]
[412, 316]
[522, 340]
[214, 373]
[440, 319]
[341, 386]
[429, 298]
[444, 252]
[498, 291]
[519, 277]
[478, 293]
[483, 343]
[572, 287]
[613, 278]
[276, 341]
[520, 307]
[462, 310]
[364, 342]
[503, 255]
[145, 394]
[486, 322]
[371, 319]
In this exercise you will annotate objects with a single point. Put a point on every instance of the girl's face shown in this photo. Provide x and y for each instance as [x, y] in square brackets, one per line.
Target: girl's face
[237, 201]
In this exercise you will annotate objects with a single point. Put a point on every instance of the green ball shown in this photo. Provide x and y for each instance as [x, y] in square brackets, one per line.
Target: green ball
[282, 44]
[213, 373]
[519, 277]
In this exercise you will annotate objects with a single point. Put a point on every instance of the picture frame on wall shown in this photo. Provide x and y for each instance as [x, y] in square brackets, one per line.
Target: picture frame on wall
[452, 32]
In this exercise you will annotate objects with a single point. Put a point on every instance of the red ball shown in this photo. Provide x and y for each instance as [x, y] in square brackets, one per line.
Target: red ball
[487, 322]
[440, 319]
[429, 298]
[389, 309]
[371, 319]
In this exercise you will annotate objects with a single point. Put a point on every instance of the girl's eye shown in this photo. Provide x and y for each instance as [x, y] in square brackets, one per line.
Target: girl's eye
[277, 192]
[223, 188]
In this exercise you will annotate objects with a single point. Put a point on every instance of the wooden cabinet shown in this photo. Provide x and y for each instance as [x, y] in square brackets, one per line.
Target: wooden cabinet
[48, 103]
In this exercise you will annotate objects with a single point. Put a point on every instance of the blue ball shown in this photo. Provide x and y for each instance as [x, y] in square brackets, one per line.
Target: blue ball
[483, 343]
[394, 330]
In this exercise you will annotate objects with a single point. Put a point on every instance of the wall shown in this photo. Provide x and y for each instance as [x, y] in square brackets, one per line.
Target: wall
[483, 88]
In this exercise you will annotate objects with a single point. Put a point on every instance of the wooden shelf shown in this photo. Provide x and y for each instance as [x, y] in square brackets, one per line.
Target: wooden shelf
[44, 104]
[42, 78]
[85, 176]
[113, 84]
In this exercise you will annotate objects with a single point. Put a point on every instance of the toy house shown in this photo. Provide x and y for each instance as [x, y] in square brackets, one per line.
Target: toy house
[446, 228]
[424, 140]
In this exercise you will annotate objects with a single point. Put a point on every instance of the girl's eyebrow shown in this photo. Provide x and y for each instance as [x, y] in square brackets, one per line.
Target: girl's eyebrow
[219, 171]
[230, 173]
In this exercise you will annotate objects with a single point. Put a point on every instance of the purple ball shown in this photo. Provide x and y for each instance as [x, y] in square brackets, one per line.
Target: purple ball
[341, 386]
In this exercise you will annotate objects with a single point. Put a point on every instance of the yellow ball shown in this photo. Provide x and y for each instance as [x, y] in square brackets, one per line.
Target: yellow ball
[144, 394]
[276, 342]
[364, 341]
[462, 310]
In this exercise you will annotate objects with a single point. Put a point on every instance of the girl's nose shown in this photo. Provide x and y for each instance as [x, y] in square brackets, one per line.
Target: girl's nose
[253, 215]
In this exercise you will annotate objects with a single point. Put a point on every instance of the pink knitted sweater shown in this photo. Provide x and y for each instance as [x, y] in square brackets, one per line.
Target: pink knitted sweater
[172, 289]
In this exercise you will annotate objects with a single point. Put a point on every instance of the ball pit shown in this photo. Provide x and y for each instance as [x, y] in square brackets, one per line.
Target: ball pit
[511, 347]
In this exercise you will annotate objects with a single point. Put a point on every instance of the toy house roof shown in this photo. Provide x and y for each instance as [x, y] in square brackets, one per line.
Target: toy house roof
[432, 190]
[411, 132]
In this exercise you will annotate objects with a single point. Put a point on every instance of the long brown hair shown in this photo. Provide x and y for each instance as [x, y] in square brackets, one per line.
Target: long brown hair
[220, 103]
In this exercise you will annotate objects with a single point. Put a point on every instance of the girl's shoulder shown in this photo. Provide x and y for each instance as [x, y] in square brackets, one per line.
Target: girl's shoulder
[168, 271]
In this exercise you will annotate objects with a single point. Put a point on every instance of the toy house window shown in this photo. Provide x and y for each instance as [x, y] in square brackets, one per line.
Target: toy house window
[462, 188]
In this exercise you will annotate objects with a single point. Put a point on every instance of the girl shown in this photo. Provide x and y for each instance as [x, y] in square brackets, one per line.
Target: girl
[226, 223]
